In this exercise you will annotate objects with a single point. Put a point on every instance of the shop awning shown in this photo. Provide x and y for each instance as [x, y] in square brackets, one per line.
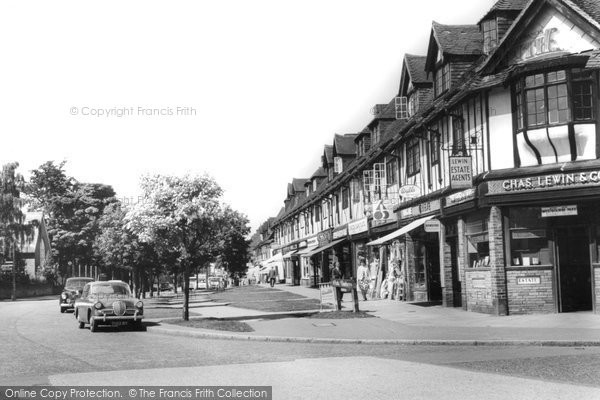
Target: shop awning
[289, 254]
[304, 252]
[277, 257]
[325, 247]
[405, 229]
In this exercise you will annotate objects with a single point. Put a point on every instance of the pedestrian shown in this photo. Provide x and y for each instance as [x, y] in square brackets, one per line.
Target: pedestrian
[336, 273]
[363, 276]
[271, 276]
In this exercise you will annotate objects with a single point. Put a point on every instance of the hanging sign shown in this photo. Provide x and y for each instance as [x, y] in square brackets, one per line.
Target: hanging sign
[433, 225]
[461, 173]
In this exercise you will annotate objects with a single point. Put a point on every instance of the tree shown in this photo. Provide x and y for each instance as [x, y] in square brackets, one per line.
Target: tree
[181, 214]
[118, 248]
[233, 243]
[13, 230]
[47, 185]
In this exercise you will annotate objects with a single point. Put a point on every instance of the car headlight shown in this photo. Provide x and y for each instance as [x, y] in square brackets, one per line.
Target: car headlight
[63, 296]
[98, 306]
[139, 304]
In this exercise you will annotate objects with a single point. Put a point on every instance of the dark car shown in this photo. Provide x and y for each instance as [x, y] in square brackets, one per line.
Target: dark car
[108, 303]
[71, 292]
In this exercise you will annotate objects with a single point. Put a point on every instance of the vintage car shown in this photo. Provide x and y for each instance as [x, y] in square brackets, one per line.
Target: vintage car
[108, 303]
[71, 292]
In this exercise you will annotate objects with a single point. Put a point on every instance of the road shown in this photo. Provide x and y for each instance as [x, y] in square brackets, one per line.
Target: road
[38, 345]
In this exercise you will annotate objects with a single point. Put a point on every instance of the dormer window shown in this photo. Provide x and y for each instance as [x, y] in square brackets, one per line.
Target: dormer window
[314, 185]
[376, 134]
[412, 105]
[442, 79]
[490, 35]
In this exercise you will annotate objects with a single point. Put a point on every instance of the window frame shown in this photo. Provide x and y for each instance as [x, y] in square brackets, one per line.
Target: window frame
[413, 157]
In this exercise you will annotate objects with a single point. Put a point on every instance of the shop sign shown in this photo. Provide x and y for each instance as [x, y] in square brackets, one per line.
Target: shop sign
[461, 172]
[356, 227]
[339, 233]
[409, 191]
[559, 211]
[460, 197]
[478, 283]
[302, 244]
[529, 280]
[324, 237]
[380, 211]
[426, 208]
[406, 213]
[433, 225]
[312, 242]
[557, 181]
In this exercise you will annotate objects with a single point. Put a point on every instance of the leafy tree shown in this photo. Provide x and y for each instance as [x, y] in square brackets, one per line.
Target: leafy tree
[13, 230]
[47, 185]
[233, 243]
[179, 213]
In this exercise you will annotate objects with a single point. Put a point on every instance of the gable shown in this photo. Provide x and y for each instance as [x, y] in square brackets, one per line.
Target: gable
[550, 34]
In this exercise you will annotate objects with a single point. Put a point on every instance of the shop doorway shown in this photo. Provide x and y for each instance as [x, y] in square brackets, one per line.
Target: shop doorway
[574, 273]
[432, 259]
[456, 284]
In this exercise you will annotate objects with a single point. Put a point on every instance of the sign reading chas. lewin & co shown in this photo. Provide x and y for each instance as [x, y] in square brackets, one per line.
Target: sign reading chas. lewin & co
[546, 182]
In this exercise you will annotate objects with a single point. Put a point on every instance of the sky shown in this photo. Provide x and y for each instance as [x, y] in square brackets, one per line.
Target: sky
[248, 92]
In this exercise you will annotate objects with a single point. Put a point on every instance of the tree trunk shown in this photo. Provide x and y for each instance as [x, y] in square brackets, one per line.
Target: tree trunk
[186, 293]
[13, 295]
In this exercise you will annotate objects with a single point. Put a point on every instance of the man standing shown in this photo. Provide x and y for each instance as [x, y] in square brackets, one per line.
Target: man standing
[272, 274]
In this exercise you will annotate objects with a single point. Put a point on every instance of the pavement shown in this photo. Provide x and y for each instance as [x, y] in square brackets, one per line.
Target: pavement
[396, 322]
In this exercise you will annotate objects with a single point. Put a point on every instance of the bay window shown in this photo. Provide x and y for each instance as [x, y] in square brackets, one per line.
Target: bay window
[555, 117]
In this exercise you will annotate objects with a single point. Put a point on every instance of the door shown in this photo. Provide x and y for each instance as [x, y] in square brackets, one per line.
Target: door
[434, 286]
[574, 271]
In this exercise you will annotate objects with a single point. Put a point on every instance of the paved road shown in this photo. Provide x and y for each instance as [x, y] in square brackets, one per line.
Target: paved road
[38, 345]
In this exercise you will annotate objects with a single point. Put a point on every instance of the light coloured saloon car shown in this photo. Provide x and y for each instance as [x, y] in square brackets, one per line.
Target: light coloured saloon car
[108, 303]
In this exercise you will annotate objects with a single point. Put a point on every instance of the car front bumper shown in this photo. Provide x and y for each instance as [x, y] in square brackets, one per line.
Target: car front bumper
[110, 318]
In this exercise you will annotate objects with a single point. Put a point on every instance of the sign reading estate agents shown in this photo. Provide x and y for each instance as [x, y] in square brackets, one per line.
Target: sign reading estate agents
[461, 173]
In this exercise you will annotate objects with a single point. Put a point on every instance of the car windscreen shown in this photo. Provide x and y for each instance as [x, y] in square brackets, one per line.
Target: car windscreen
[76, 283]
[110, 290]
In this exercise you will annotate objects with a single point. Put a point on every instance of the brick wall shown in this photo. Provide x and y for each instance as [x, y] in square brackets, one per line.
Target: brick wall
[446, 258]
[530, 298]
[478, 290]
[497, 266]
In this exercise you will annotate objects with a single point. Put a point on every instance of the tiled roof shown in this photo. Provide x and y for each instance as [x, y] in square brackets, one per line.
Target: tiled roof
[319, 173]
[328, 153]
[298, 184]
[594, 60]
[458, 39]
[590, 7]
[416, 68]
[344, 144]
[506, 5]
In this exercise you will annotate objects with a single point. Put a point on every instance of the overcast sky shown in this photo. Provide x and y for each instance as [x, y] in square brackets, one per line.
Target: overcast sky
[261, 85]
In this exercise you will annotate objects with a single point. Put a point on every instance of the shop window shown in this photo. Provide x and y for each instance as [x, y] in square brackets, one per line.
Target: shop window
[420, 277]
[550, 109]
[478, 243]
[529, 238]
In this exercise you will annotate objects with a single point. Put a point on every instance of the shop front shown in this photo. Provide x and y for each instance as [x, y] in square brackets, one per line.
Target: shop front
[291, 265]
[309, 273]
[551, 239]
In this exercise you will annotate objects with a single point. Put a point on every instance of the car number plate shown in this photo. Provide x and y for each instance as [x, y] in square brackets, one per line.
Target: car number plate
[119, 323]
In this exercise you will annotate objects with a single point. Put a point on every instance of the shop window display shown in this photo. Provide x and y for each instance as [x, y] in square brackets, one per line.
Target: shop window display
[529, 238]
[478, 244]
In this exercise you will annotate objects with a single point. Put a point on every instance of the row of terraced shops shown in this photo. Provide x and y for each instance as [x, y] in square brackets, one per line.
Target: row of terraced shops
[491, 196]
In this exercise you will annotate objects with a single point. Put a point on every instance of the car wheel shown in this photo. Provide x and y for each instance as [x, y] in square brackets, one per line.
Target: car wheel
[62, 310]
[81, 324]
[93, 325]
[138, 326]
